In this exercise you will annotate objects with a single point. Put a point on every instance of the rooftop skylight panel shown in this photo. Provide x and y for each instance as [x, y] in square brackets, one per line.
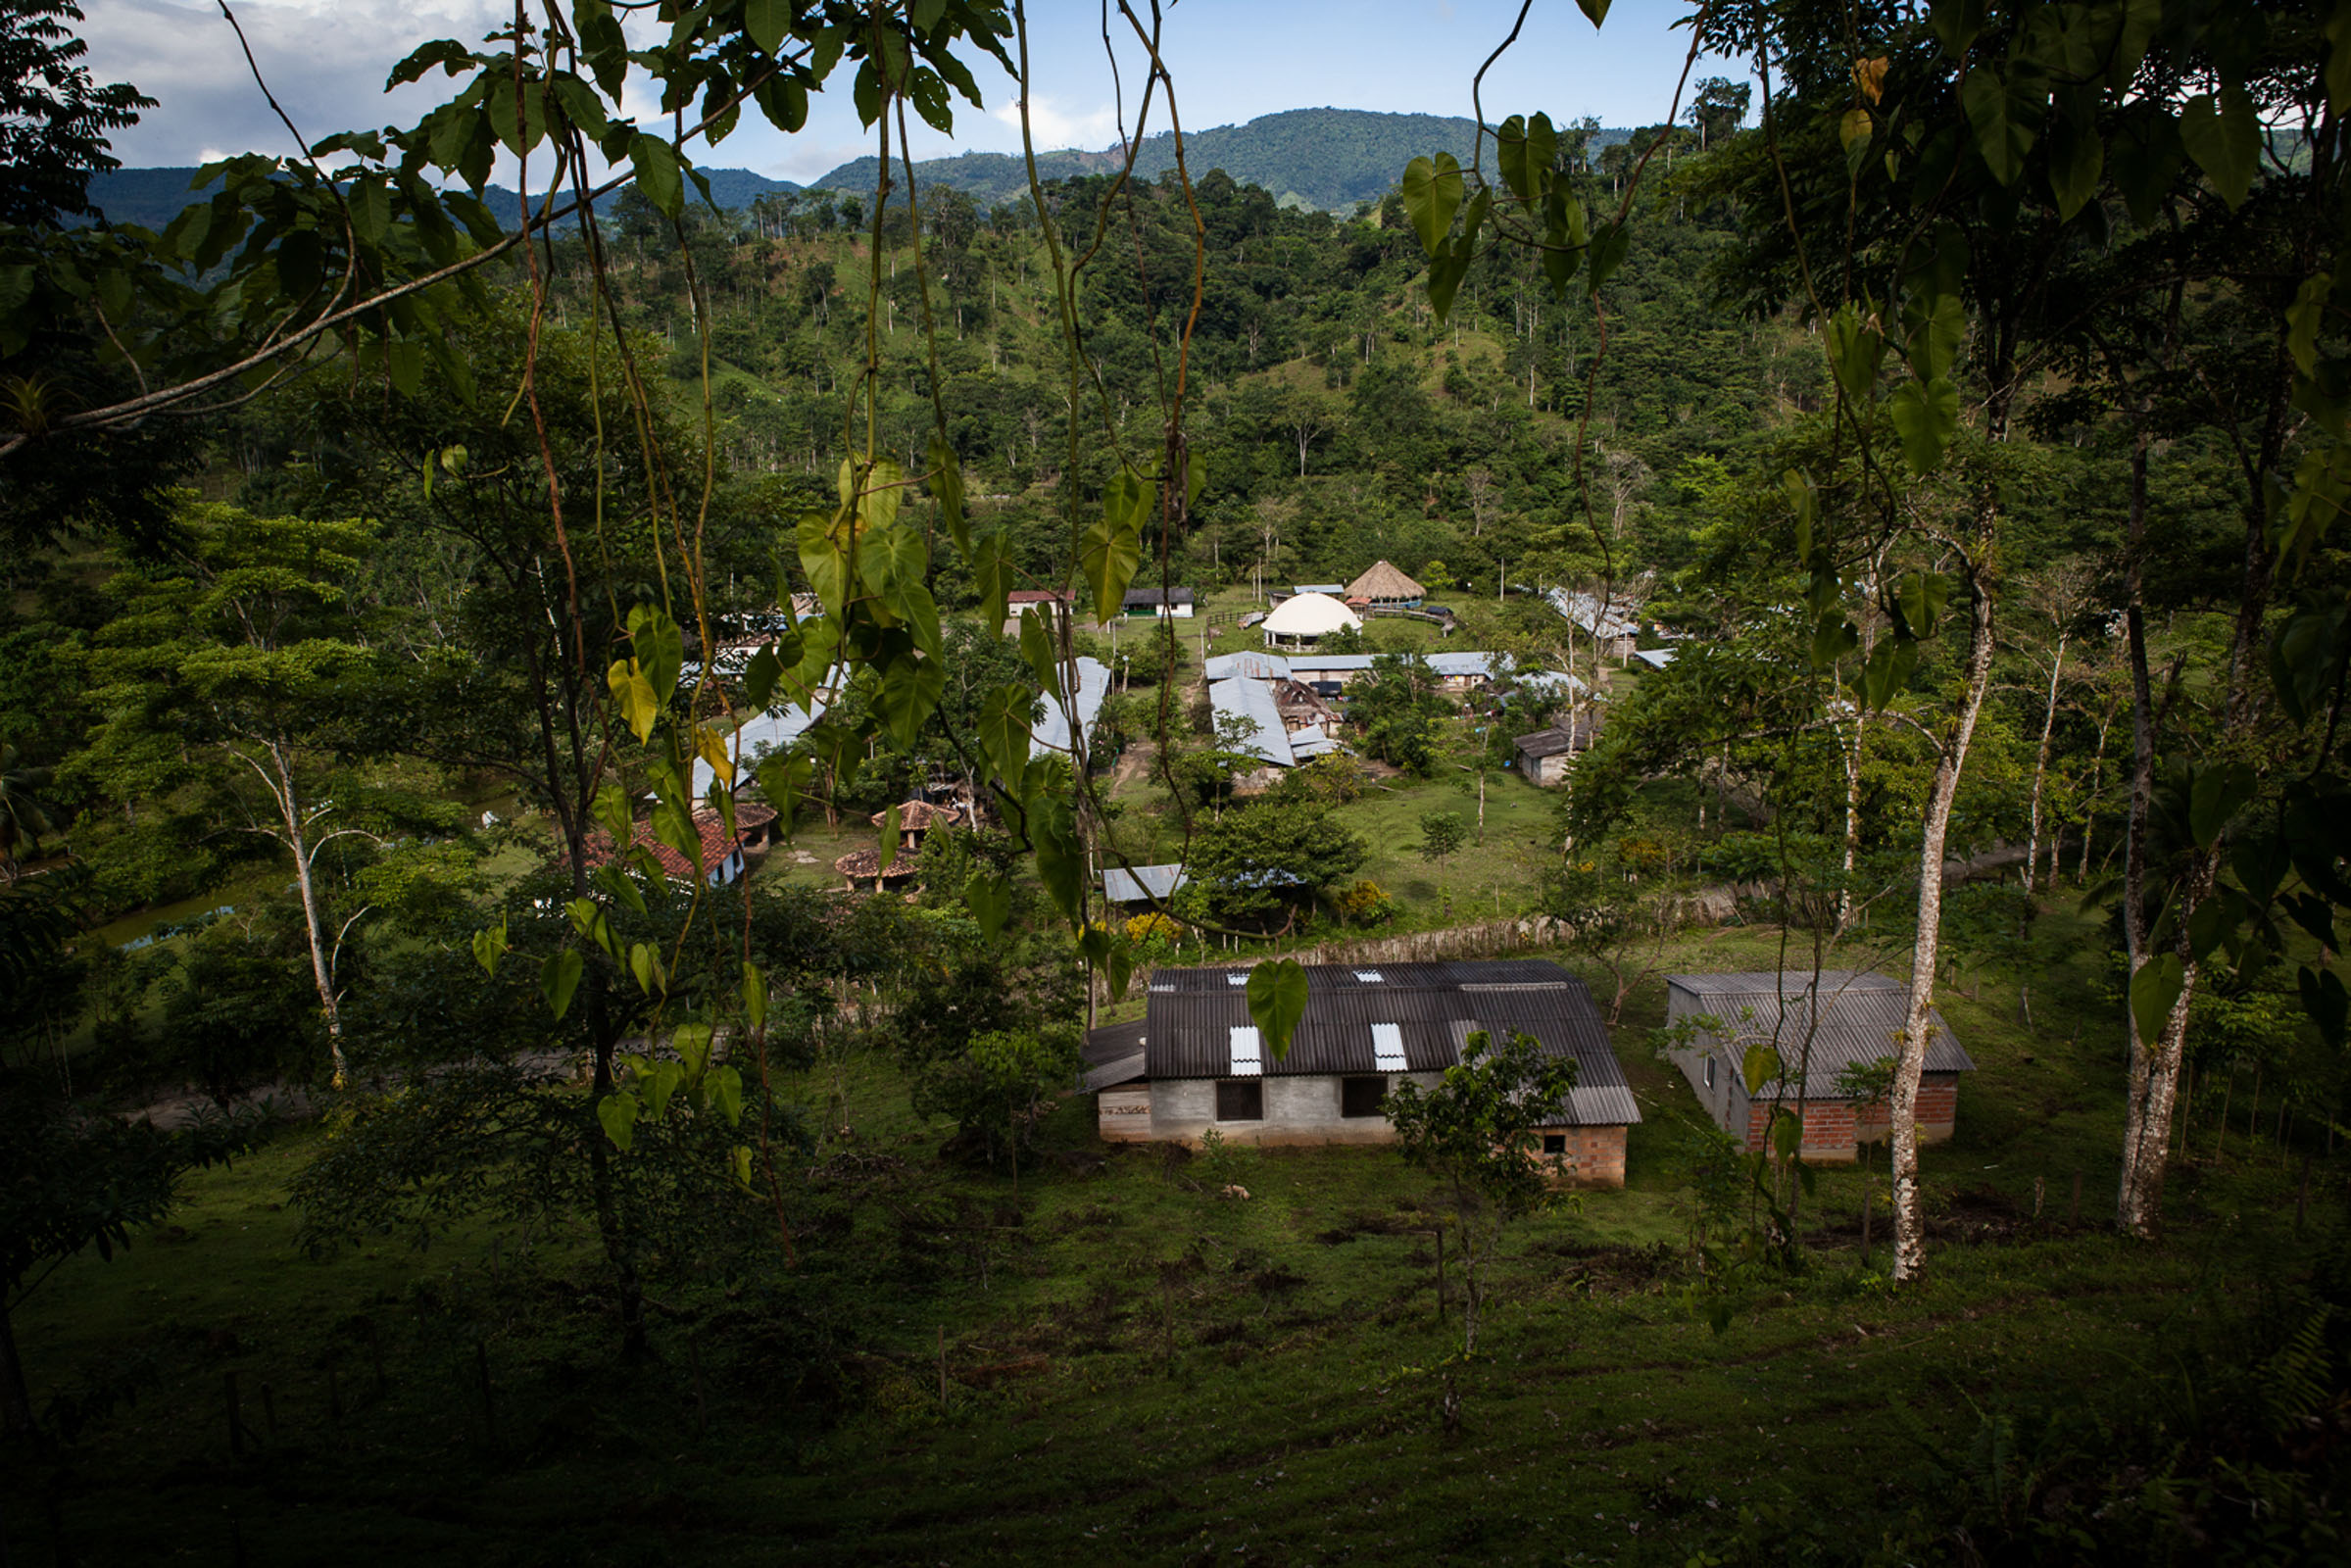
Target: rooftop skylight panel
[1236, 977]
[1249, 1060]
[1388, 1046]
[1370, 976]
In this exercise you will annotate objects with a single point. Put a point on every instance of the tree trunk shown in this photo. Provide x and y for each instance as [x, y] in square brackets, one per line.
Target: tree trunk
[1910, 1236]
[289, 803]
[1852, 845]
[2041, 770]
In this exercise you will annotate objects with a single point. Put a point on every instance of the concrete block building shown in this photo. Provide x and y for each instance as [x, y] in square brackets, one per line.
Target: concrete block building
[1820, 1025]
[1196, 1062]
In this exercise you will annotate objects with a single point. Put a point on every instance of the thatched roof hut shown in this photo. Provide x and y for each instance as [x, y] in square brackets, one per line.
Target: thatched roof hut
[1383, 584]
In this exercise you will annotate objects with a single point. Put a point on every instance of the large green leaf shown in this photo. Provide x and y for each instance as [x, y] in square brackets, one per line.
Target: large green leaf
[1934, 323]
[1061, 856]
[2224, 137]
[489, 949]
[1919, 597]
[1887, 672]
[659, 646]
[1855, 351]
[1004, 728]
[1277, 1001]
[559, 977]
[2076, 158]
[640, 708]
[768, 22]
[1432, 195]
[908, 695]
[989, 896]
[1926, 417]
[946, 488]
[2154, 990]
[824, 561]
[1113, 547]
[1760, 1068]
[659, 177]
[2006, 116]
[2218, 794]
[617, 1113]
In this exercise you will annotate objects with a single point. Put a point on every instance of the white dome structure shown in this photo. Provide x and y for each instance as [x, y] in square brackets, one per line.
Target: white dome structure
[1306, 617]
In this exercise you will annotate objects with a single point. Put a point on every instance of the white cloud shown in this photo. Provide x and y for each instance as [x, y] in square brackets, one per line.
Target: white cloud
[325, 60]
[1056, 125]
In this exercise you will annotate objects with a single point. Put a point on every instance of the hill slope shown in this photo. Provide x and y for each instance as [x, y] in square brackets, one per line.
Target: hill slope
[1325, 158]
[152, 197]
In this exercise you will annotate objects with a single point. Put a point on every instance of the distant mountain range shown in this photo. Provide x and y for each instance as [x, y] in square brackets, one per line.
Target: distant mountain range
[1322, 158]
[1329, 159]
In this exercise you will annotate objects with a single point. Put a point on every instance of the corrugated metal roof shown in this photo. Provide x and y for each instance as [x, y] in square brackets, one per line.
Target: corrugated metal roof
[1252, 699]
[1248, 666]
[1124, 1069]
[1551, 680]
[1051, 732]
[1859, 1015]
[1586, 612]
[1307, 744]
[1432, 1008]
[1600, 1097]
[1110, 1042]
[1145, 882]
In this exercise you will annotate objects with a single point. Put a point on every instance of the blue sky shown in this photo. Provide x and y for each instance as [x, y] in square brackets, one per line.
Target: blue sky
[1232, 60]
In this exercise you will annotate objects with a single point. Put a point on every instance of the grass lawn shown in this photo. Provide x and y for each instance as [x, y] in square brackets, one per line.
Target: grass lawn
[1137, 1370]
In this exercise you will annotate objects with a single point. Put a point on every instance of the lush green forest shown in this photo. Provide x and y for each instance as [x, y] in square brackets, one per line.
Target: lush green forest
[551, 896]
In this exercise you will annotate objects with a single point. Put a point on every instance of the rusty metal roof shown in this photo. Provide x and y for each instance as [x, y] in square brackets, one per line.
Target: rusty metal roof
[1859, 1014]
[1432, 1006]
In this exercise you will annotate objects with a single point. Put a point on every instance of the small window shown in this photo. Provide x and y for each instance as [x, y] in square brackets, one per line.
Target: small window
[1362, 1097]
[1241, 1100]
[1710, 1072]
[1554, 1142]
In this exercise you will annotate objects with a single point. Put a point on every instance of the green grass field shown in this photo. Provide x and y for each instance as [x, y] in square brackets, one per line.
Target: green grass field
[1137, 1370]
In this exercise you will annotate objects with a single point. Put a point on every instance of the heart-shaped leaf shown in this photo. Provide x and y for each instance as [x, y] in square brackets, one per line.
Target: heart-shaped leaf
[1277, 1001]
[2154, 990]
[1432, 195]
[989, 896]
[559, 977]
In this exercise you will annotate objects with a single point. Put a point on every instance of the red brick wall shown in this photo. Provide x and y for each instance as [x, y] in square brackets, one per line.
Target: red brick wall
[1832, 1127]
[1594, 1157]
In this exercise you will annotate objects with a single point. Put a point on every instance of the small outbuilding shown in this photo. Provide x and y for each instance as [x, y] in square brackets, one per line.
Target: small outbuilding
[1546, 755]
[720, 852]
[862, 870]
[1304, 620]
[1382, 587]
[1196, 1063]
[915, 819]
[1820, 1025]
[1145, 604]
[1141, 884]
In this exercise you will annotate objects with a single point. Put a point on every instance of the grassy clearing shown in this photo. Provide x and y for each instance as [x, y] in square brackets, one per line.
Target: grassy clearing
[1137, 1370]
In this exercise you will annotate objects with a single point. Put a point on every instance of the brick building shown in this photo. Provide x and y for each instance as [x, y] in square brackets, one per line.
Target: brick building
[1820, 1025]
[1196, 1062]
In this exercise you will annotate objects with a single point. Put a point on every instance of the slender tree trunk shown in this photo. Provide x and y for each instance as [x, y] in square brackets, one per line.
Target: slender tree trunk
[289, 803]
[1910, 1235]
[2040, 769]
[1852, 845]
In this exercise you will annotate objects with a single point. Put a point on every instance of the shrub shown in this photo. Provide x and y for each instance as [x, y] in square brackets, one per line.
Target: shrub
[1364, 902]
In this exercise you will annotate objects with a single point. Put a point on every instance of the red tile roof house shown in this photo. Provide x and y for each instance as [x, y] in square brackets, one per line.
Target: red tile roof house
[1858, 1013]
[722, 853]
[1196, 1062]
